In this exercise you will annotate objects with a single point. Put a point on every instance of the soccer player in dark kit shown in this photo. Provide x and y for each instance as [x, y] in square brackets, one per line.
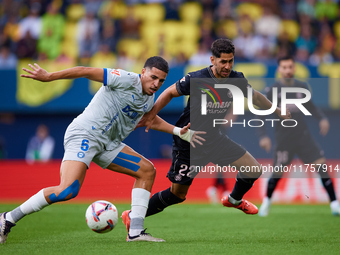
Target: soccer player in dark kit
[295, 140]
[218, 148]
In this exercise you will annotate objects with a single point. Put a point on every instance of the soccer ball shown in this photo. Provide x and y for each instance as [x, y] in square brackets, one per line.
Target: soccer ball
[101, 216]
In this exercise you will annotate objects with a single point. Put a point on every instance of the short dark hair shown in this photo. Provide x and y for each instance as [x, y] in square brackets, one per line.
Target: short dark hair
[283, 58]
[222, 45]
[157, 62]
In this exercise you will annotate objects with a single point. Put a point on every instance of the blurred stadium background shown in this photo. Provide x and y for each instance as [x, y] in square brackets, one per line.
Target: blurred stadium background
[122, 34]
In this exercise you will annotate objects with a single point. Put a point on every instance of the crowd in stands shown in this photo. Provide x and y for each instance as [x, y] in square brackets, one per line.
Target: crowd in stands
[123, 34]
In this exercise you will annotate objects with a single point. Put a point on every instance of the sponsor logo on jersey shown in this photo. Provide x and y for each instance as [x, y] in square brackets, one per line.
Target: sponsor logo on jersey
[116, 72]
[132, 114]
[110, 124]
[81, 154]
[145, 107]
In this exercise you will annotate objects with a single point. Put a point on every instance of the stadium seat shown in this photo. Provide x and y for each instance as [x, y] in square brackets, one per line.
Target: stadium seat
[149, 12]
[69, 44]
[229, 28]
[116, 9]
[254, 11]
[191, 12]
[75, 12]
[192, 31]
[150, 32]
[150, 35]
[337, 29]
[171, 30]
[292, 28]
[132, 47]
[189, 48]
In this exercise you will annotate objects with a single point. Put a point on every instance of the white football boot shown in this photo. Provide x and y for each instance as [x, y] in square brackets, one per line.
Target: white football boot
[143, 237]
[335, 208]
[5, 227]
[265, 207]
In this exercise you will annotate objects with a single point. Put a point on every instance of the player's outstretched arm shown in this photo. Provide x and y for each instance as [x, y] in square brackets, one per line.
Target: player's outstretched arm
[163, 99]
[263, 102]
[184, 133]
[40, 74]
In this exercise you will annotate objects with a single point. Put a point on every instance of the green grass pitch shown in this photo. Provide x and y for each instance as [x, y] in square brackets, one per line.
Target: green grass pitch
[187, 229]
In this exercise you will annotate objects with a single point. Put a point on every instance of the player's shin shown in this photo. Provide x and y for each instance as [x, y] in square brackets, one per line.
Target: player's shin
[327, 184]
[272, 183]
[242, 185]
[33, 204]
[160, 200]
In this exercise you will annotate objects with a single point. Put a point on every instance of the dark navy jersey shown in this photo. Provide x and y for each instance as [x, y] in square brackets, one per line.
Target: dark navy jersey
[281, 132]
[218, 103]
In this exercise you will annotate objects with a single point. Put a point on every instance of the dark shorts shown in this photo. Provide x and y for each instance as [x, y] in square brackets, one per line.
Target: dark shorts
[304, 146]
[223, 153]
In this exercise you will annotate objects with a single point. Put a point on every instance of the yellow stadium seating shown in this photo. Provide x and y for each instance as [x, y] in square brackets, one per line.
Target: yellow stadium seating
[149, 12]
[132, 47]
[116, 9]
[189, 31]
[191, 12]
[291, 27]
[229, 28]
[337, 29]
[69, 44]
[254, 11]
[75, 12]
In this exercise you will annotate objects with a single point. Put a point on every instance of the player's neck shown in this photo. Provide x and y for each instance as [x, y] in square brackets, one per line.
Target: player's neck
[287, 81]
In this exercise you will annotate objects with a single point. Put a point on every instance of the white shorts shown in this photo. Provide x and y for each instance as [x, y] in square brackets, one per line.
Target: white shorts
[81, 146]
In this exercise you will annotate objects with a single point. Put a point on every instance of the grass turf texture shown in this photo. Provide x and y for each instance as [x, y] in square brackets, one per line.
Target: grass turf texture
[187, 229]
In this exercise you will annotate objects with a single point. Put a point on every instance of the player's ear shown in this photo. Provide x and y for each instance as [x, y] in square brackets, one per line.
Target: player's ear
[294, 67]
[143, 71]
[212, 59]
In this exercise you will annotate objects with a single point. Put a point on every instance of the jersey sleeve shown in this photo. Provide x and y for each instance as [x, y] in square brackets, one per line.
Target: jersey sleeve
[268, 93]
[116, 78]
[183, 85]
[244, 84]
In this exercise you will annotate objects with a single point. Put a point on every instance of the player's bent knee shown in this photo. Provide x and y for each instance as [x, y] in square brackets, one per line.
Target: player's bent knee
[148, 170]
[66, 194]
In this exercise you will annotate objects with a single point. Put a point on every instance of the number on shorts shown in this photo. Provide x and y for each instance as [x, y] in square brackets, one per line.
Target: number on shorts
[84, 145]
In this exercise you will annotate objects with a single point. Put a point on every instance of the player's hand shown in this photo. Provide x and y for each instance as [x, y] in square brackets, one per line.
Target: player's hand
[266, 144]
[193, 136]
[146, 121]
[37, 73]
[286, 116]
[324, 126]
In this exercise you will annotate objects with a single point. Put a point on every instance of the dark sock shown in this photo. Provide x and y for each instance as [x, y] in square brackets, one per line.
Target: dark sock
[242, 186]
[159, 201]
[271, 186]
[328, 184]
[219, 182]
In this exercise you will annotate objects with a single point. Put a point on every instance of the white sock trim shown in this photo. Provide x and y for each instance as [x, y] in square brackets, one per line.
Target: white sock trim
[34, 203]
